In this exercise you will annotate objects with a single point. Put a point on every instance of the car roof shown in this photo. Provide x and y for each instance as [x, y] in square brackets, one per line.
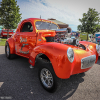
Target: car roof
[34, 19]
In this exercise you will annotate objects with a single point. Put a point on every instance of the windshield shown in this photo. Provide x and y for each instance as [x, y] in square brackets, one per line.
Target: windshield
[45, 26]
[6, 31]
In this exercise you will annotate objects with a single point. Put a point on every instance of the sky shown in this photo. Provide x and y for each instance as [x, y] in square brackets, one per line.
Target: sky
[66, 11]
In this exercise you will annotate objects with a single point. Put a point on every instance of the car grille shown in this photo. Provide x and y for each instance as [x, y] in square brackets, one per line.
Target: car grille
[88, 61]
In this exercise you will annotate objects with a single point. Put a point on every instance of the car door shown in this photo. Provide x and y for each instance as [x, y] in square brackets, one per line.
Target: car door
[25, 39]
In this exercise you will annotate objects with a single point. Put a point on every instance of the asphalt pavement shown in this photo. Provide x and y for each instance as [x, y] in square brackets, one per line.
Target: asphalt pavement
[19, 82]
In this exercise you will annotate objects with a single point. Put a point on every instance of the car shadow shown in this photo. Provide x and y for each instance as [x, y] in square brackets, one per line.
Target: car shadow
[22, 83]
[69, 86]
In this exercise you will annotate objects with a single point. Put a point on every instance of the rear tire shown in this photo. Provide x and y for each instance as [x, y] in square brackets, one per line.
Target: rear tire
[7, 52]
[48, 79]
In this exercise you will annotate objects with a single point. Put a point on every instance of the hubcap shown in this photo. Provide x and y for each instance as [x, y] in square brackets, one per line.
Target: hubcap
[7, 50]
[46, 78]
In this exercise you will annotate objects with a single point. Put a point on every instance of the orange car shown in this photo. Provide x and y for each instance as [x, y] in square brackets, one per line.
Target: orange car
[61, 55]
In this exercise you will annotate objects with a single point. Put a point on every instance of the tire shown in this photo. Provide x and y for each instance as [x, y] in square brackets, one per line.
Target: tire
[48, 79]
[7, 52]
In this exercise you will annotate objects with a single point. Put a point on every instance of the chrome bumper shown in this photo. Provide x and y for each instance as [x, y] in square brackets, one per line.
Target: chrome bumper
[88, 61]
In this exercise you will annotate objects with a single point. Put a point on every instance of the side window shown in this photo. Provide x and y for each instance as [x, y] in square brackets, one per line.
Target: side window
[26, 27]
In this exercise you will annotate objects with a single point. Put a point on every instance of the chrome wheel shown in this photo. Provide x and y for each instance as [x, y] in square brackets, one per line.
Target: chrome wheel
[7, 50]
[46, 78]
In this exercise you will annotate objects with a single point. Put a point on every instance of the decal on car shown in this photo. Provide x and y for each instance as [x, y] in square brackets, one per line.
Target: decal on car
[23, 45]
[24, 52]
[23, 39]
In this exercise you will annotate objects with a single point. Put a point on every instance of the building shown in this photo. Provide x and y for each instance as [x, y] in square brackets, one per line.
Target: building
[61, 24]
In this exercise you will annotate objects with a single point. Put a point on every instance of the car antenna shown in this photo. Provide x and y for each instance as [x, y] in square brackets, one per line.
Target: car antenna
[40, 16]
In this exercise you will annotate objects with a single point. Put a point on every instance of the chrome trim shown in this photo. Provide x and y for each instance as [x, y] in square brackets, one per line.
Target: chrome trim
[61, 30]
[88, 61]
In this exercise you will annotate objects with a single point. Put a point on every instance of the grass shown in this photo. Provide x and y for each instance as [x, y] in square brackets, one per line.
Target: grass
[2, 42]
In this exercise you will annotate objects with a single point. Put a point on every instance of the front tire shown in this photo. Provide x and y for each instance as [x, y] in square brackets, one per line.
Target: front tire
[48, 79]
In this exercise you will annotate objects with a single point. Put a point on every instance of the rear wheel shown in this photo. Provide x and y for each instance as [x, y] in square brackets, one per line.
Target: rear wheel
[7, 51]
[48, 79]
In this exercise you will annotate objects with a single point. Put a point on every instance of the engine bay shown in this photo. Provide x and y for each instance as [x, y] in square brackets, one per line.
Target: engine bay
[65, 38]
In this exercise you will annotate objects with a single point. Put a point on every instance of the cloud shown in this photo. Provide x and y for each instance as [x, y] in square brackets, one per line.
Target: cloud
[67, 11]
[47, 10]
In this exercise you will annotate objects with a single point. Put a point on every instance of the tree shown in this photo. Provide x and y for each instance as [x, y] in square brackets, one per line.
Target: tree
[9, 14]
[90, 22]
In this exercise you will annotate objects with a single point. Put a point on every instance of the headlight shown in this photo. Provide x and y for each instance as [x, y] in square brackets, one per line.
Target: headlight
[70, 54]
[97, 48]
[77, 41]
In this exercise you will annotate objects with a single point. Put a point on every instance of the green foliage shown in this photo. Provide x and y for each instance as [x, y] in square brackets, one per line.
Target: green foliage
[9, 14]
[2, 42]
[90, 22]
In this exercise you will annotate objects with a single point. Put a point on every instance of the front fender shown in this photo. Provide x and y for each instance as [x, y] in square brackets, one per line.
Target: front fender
[11, 43]
[90, 47]
[57, 54]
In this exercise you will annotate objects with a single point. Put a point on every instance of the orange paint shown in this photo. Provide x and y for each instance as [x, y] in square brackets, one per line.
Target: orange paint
[30, 44]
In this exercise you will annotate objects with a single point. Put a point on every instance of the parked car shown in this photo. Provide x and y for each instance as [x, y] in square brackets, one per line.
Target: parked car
[61, 56]
[97, 37]
[0, 32]
[84, 36]
[4, 33]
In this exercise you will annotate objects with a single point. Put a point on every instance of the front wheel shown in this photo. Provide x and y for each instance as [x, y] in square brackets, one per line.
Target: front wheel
[48, 79]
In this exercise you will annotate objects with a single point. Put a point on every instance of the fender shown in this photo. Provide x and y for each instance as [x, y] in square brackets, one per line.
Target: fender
[86, 43]
[57, 54]
[91, 47]
[11, 43]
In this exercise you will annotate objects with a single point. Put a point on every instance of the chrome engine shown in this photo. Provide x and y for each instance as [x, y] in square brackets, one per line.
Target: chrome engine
[63, 37]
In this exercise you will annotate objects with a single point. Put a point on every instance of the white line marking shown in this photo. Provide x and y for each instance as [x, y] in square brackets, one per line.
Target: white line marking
[1, 84]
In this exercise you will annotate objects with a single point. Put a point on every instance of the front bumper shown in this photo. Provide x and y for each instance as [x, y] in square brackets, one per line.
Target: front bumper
[84, 60]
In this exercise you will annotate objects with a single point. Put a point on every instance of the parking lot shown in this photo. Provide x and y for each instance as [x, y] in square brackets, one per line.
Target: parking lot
[19, 82]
